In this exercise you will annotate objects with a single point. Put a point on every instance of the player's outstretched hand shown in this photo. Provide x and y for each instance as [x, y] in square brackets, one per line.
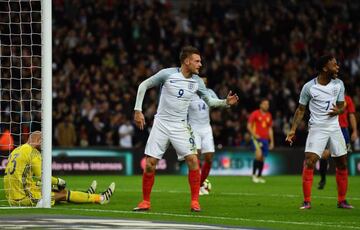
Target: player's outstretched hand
[232, 98]
[290, 138]
[139, 120]
[334, 111]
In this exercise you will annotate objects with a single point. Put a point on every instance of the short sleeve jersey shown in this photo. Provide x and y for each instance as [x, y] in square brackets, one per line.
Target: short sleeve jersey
[261, 123]
[176, 93]
[321, 99]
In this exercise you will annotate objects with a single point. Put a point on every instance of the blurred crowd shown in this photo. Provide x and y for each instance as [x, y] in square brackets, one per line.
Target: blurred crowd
[102, 50]
[20, 71]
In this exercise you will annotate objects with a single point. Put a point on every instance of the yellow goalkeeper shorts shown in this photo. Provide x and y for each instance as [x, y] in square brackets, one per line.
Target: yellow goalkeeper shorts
[31, 200]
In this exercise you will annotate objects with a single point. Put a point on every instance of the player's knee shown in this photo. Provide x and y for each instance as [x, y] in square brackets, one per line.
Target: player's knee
[192, 162]
[150, 167]
[258, 155]
[150, 164]
[310, 160]
[310, 163]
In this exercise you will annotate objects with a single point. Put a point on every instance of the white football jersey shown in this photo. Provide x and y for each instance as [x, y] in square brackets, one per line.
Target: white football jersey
[321, 99]
[176, 94]
[199, 111]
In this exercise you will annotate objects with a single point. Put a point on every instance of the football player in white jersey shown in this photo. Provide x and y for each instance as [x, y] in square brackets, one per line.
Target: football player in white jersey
[170, 123]
[199, 119]
[325, 96]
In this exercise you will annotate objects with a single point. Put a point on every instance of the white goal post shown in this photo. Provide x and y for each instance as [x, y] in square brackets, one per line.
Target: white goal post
[46, 94]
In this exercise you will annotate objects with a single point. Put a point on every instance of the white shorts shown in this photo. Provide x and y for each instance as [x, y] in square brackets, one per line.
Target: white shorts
[204, 139]
[179, 134]
[320, 138]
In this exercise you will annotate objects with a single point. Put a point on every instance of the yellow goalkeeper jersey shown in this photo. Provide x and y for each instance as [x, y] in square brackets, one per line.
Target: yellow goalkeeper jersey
[22, 172]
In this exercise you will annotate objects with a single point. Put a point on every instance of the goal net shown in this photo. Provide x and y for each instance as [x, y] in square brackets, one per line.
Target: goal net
[22, 76]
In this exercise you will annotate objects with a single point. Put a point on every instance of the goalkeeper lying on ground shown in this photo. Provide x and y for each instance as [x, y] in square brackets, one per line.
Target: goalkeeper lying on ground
[23, 175]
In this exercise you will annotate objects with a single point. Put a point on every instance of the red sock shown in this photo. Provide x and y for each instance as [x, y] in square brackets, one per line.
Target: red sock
[307, 178]
[147, 183]
[342, 183]
[205, 170]
[194, 181]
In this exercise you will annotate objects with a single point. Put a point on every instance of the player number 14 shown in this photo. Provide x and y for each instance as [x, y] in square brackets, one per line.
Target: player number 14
[202, 106]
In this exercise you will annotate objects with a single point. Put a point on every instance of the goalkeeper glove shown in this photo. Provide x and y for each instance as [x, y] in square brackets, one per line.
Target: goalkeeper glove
[61, 184]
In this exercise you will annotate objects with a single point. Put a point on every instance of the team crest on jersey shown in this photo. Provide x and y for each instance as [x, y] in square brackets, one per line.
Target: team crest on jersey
[191, 85]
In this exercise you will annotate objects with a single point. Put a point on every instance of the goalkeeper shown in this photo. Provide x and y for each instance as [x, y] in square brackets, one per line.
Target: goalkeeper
[22, 179]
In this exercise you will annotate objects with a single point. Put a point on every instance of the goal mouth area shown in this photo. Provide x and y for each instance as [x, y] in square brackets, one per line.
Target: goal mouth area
[25, 72]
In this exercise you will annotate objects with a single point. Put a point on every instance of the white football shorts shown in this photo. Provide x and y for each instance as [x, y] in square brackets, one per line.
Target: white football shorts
[179, 134]
[204, 138]
[321, 137]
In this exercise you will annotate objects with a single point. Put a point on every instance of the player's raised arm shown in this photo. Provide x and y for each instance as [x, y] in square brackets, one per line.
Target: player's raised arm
[152, 81]
[212, 94]
[231, 98]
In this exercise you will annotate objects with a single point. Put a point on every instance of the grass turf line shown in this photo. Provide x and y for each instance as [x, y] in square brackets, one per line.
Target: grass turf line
[233, 201]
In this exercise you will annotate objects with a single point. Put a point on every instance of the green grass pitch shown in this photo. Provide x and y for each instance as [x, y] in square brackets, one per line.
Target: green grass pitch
[234, 201]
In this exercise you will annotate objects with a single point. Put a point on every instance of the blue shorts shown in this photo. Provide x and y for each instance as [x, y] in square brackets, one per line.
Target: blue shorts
[261, 143]
[346, 135]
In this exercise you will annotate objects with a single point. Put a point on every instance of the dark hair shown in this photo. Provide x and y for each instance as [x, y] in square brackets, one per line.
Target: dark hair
[187, 51]
[322, 61]
[263, 99]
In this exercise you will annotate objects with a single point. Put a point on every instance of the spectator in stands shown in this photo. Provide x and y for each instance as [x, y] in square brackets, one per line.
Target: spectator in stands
[268, 46]
[65, 133]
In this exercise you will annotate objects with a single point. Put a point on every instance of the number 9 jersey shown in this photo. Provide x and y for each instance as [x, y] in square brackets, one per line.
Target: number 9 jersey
[170, 123]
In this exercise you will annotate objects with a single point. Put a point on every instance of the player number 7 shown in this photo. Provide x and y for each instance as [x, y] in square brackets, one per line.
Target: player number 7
[328, 105]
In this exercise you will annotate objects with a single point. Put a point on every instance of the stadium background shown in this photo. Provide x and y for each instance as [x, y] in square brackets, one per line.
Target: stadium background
[102, 50]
